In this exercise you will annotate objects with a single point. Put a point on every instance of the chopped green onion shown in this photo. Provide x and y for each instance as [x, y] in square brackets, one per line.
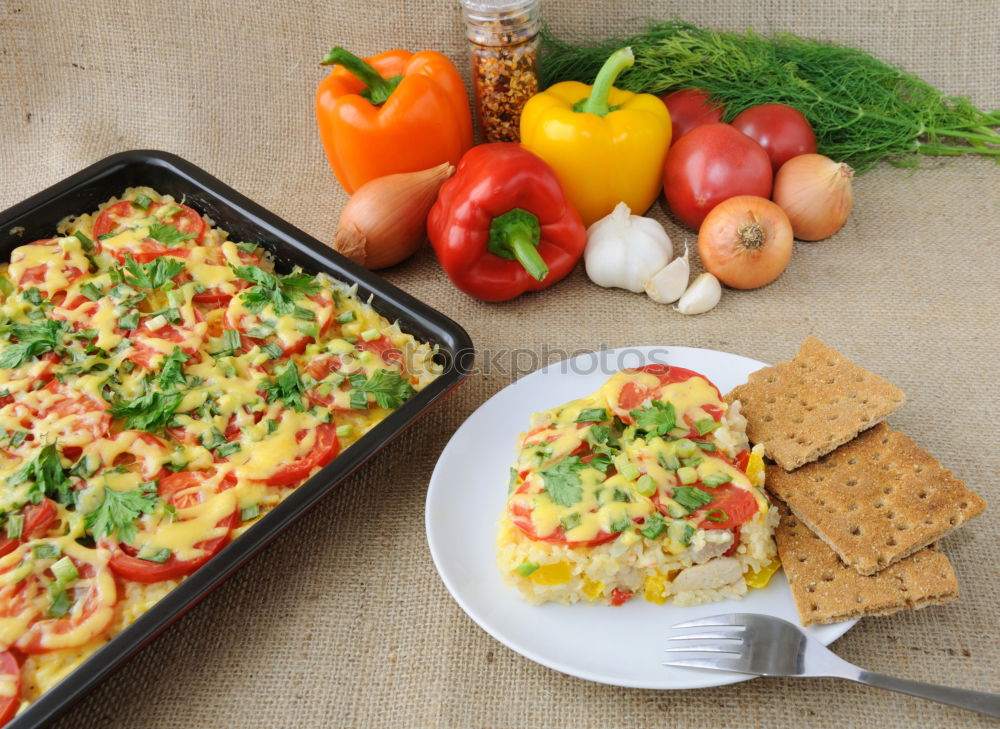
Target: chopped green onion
[270, 426]
[691, 497]
[625, 467]
[6, 287]
[717, 515]
[681, 531]
[687, 474]
[653, 526]
[359, 400]
[692, 462]
[646, 485]
[129, 321]
[620, 525]
[346, 317]
[17, 438]
[60, 603]
[706, 425]
[370, 335]
[685, 448]
[345, 431]
[175, 297]
[300, 312]
[228, 449]
[250, 512]
[33, 296]
[308, 328]
[669, 462]
[64, 571]
[676, 510]
[526, 568]
[154, 555]
[571, 521]
[127, 366]
[142, 202]
[273, 350]
[212, 439]
[247, 247]
[15, 525]
[704, 445]
[350, 340]
[260, 331]
[84, 468]
[91, 292]
[590, 415]
[46, 550]
[85, 241]
[716, 479]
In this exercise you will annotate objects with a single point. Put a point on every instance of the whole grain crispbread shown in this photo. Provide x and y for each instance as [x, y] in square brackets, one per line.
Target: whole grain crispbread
[809, 405]
[825, 590]
[877, 499]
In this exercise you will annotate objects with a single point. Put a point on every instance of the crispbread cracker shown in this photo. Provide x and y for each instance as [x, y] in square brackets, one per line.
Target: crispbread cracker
[827, 591]
[877, 499]
[809, 405]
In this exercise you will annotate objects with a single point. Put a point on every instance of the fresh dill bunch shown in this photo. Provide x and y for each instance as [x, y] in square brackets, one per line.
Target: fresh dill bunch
[862, 110]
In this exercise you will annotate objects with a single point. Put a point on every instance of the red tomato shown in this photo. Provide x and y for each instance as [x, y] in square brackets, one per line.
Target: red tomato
[324, 450]
[73, 403]
[37, 520]
[521, 516]
[35, 275]
[122, 214]
[634, 394]
[94, 593]
[10, 674]
[782, 131]
[620, 597]
[144, 354]
[385, 349]
[712, 163]
[43, 375]
[320, 368]
[690, 108]
[736, 504]
[182, 491]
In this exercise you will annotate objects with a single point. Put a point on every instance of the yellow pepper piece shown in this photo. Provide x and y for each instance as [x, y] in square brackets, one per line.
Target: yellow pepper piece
[605, 145]
[755, 468]
[552, 574]
[593, 589]
[655, 587]
[760, 579]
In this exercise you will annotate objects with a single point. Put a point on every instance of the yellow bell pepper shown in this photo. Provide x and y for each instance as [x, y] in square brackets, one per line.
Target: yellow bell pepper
[606, 145]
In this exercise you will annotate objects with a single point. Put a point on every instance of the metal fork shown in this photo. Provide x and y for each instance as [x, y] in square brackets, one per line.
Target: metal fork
[765, 646]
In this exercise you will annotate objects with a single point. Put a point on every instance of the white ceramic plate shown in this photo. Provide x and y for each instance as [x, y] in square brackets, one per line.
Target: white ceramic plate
[616, 645]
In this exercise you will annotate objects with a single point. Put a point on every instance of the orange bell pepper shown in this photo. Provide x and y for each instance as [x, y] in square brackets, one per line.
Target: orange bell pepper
[394, 112]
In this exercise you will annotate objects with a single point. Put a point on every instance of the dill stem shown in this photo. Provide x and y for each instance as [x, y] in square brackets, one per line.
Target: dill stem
[943, 149]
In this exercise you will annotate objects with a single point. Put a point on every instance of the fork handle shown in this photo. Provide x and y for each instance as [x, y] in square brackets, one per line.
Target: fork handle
[980, 701]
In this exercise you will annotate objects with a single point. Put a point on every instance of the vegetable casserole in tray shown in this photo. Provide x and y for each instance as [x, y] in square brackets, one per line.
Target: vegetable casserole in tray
[181, 375]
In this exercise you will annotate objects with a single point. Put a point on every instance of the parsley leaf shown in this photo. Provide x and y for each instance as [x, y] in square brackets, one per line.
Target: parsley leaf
[33, 340]
[562, 481]
[390, 389]
[287, 387]
[116, 515]
[592, 415]
[47, 475]
[278, 291]
[691, 497]
[168, 234]
[658, 419]
[149, 412]
[173, 369]
[151, 275]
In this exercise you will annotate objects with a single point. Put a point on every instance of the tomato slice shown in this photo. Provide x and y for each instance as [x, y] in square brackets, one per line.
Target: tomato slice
[730, 507]
[37, 520]
[384, 348]
[634, 393]
[36, 275]
[144, 353]
[33, 373]
[72, 417]
[324, 450]
[121, 215]
[620, 597]
[521, 516]
[181, 490]
[10, 675]
[93, 593]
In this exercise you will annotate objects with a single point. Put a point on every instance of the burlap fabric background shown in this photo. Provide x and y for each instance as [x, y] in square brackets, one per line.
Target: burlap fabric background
[344, 622]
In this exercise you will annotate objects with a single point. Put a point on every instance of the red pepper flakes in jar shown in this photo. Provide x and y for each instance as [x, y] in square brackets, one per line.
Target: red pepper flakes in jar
[503, 37]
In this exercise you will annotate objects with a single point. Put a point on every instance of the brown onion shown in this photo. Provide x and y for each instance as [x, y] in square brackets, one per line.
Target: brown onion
[815, 192]
[385, 221]
[745, 241]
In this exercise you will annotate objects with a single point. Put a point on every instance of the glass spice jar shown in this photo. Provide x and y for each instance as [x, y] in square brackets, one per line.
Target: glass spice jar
[503, 37]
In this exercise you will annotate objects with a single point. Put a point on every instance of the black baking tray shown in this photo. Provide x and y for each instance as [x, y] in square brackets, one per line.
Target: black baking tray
[83, 192]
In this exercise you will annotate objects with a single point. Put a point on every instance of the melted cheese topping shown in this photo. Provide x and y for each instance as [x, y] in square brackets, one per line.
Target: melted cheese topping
[236, 418]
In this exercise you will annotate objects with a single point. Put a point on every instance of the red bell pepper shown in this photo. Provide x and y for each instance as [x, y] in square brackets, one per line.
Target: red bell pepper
[502, 225]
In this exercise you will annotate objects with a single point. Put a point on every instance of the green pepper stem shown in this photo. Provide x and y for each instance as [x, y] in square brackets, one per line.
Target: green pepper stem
[377, 89]
[515, 235]
[597, 102]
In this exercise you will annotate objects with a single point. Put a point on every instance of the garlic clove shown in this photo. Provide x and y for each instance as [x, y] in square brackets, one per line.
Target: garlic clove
[702, 295]
[668, 284]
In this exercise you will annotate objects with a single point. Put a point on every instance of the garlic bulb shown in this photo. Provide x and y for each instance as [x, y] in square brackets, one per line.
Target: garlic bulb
[701, 295]
[666, 285]
[625, 250]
